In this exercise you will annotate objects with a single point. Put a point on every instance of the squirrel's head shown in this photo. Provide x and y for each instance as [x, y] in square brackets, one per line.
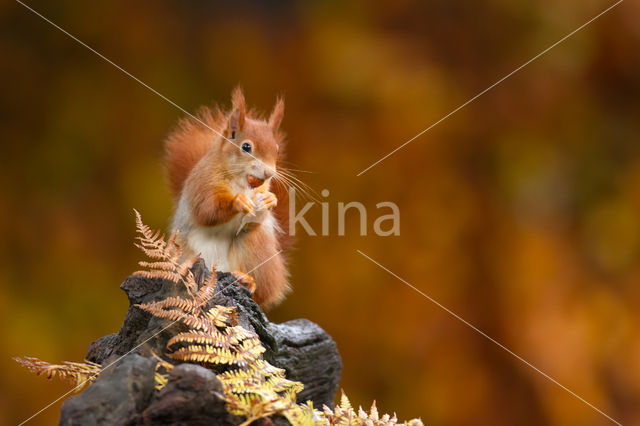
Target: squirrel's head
[254, 152]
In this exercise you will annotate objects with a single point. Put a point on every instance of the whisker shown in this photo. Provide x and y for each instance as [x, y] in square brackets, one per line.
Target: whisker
[295, 178]
[295, 170]
[305, 190]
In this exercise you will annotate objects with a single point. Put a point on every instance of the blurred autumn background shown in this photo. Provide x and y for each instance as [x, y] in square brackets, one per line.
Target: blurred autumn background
[521, 212]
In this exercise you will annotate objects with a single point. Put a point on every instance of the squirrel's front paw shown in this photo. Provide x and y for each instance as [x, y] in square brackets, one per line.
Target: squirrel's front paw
[269, 200]
[242, 203]
[264, 200]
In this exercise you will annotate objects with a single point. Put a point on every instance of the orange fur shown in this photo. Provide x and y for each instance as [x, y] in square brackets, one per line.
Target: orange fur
[204, 171]
[188, 143]
[211, 200]
[272, 278]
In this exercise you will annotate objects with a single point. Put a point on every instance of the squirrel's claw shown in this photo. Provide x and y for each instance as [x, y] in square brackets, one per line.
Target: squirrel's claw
[242, 203]
[269, 200]
[245, 280]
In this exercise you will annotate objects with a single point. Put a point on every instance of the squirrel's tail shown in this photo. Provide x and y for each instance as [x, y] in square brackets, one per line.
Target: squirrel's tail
[188, 143]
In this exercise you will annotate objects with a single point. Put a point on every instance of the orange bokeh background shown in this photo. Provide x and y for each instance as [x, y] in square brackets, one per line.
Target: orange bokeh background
[520, 213]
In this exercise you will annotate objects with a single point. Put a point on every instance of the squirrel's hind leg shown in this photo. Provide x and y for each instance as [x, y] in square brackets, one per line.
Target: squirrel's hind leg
[256, 253]
[246, 280]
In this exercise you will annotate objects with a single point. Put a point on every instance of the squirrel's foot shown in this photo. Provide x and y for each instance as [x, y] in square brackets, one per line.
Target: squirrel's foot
[242, 203]
[245, 280]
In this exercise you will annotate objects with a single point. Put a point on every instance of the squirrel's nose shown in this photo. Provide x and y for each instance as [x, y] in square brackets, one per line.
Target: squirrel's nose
[268, 172]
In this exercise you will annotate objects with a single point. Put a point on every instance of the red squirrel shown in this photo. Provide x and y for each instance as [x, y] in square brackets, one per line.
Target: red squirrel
[227, 208]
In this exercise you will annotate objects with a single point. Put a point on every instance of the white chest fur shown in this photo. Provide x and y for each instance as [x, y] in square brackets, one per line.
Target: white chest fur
[214, 242]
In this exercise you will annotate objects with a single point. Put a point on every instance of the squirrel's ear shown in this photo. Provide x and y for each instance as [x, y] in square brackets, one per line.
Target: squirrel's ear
[238, 112]
[276, 116]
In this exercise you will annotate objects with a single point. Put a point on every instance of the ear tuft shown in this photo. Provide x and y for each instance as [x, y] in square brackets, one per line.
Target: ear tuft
[276, 116]
[238, 110]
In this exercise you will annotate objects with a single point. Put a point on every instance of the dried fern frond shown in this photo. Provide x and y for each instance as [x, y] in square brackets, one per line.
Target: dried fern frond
[176, 302]
[207, 290]
[240, 355]
[256, 409]
[182, 310]
[161, 374]
[236, 334]
[205, 354]
[223, 316]
[211, 338]
[243, 381]
[80, 374]
[254, 401]
[160, 379]
[344, 414]
[248, 351]
[261, 390]
[304, 415]
[152, 243]
[175, 315]
[166, 256]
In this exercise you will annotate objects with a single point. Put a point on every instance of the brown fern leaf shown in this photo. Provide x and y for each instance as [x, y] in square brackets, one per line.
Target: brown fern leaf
[175, 315]
[163, 275]
[176, 302]
[149, 239]
[166, 256]
[172, 271]
[80, 374]
[238, 381]
[279, 383]
[304, 414]
[214, 338]
[184, 268]
[344, 414]
[248, 351]
[159, 266]
[205, 354]
[255, 407]
[222, 316]
[236, 334]
[155, 247]
[260, 366]
[207, 290]
[245, 381]
[161, 378]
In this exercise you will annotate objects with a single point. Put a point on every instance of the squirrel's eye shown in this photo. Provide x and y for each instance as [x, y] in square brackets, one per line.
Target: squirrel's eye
[246, 147]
